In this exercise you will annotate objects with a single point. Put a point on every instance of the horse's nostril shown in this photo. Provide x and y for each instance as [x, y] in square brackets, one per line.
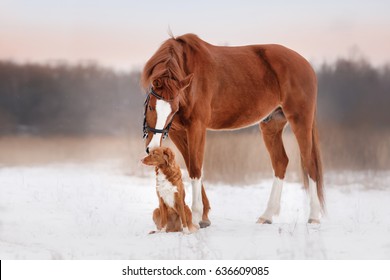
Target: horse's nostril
[147, 150]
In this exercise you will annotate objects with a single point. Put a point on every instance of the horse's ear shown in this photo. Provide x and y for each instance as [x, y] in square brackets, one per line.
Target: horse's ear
[186, 81]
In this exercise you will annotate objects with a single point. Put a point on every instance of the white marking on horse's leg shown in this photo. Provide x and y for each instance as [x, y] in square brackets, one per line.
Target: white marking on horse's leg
[273, 206]
[197, 203]
[315, 207]
[163, 110]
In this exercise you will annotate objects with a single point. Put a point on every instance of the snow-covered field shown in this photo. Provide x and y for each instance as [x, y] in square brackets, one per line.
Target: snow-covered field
[96, 212]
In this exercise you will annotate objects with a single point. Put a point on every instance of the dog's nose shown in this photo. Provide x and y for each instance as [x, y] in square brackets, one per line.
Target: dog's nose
[147, 150]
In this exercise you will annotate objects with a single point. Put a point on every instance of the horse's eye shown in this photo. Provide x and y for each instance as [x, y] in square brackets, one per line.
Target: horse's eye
[151, 108]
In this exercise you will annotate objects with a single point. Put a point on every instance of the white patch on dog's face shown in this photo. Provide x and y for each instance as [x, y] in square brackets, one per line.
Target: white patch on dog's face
[163, 110]
[166, 190]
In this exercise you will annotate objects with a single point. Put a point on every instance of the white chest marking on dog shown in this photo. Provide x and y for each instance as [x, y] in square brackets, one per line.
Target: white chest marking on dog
[166, 190]
[163, 110]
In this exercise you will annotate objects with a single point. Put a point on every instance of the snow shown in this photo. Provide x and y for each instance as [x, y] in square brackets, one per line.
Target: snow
[85, 211]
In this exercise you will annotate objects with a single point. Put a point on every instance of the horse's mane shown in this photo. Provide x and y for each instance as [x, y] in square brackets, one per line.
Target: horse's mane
[171, 55]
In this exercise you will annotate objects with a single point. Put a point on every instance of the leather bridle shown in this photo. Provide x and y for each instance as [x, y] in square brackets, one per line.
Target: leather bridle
[146, 127]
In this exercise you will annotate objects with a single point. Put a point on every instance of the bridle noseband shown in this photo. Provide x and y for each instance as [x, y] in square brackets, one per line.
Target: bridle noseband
[147, 128]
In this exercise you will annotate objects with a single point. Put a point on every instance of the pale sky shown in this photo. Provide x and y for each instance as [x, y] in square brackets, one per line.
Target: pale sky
[124, 34]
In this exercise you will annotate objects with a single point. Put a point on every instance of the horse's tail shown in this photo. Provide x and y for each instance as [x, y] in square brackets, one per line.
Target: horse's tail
[317, 162]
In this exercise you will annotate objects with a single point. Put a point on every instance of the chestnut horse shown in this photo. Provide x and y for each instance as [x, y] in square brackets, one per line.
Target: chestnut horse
[193, 86]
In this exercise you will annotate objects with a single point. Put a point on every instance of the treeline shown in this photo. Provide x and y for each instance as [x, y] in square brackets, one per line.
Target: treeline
[64, 99]
[89, 99]
[354, 94]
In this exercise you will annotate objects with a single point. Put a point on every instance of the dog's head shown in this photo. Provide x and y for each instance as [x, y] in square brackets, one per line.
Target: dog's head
[159, 156]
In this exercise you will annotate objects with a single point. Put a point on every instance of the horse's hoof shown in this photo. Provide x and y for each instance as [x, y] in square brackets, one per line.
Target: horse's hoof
[204, 224]
[313, 221]
[264, 221]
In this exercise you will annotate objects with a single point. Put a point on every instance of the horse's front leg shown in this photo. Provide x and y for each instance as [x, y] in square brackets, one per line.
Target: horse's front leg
[196, 137]
[194, 160]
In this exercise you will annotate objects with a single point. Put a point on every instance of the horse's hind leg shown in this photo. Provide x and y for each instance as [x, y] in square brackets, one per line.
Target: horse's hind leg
[272, 128]
[305, 130]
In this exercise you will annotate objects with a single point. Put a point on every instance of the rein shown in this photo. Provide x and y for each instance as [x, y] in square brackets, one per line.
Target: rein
[146, 127]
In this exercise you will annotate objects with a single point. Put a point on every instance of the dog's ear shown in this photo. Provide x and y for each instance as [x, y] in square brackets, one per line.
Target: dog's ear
[169, 156]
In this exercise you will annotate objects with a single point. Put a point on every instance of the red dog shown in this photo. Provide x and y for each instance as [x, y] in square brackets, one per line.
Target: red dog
[173, 214]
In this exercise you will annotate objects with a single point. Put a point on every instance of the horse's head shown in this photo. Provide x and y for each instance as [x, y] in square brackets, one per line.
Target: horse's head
[161, 105]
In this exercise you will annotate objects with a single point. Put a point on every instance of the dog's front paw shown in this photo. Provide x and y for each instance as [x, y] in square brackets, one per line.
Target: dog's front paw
[193, 228]
[264, 221]
[164, 229]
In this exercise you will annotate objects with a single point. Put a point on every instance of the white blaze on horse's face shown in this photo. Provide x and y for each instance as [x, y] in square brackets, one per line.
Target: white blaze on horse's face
[163, 110]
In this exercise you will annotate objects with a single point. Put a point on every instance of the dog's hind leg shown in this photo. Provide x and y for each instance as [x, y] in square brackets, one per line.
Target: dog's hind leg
[157, 218]
[174, 222]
